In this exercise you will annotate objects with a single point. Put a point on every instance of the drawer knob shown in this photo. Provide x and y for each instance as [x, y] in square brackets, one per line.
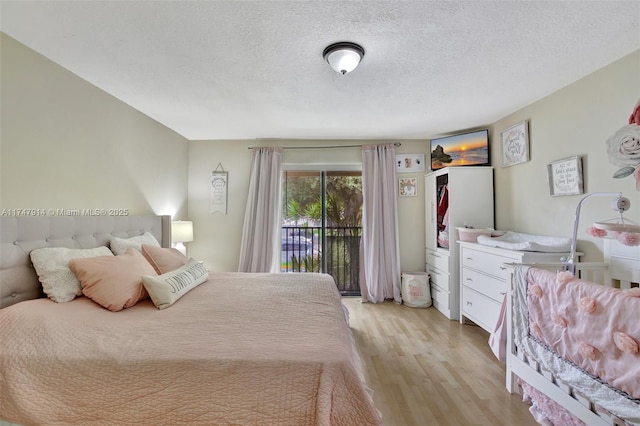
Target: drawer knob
[469, 304]
[502, 293]
[469, 258]
[468, 279]
[504, 268]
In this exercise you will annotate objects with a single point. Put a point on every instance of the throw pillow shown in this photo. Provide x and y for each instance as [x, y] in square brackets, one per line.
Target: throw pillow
[163, 260]
[166, 289]
[52, 266]
[120, 245]
[114, 282]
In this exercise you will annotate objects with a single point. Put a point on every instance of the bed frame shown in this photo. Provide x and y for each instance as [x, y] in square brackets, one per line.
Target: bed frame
[20, 235]
[616, 272]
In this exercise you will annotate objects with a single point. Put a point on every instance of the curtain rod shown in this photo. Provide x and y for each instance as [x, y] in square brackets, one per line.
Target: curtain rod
[323, 147]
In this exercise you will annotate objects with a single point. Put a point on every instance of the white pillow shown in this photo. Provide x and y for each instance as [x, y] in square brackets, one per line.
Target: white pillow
[52, 267]
[166, 289]
[120, 245]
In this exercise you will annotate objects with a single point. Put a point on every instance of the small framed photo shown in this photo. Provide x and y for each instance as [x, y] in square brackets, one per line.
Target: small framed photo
[409, 163]
[408, 187]
[565, 176]
[515, 144]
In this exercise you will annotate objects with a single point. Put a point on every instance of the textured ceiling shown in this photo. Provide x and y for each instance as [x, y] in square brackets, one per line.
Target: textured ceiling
[254, 69]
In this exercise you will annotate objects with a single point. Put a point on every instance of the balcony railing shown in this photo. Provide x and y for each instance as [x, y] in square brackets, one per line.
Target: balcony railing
[336, 252]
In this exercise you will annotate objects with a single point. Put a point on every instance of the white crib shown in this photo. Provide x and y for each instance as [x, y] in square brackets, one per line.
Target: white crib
[620, 269]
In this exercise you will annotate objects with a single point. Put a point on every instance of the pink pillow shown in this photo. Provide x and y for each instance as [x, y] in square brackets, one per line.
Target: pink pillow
[115, 282]
[163, 260]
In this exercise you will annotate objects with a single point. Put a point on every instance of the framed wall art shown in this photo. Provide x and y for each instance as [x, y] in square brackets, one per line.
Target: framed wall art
[565, 176]
[409, 163]
[464, 149]
[408, 187]
[515, 144]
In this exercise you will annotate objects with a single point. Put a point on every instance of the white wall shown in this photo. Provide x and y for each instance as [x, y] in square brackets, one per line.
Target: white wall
[66, 144]
[576, 120]
[217, 236]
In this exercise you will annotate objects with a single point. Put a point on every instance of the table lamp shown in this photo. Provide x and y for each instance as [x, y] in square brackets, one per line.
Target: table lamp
[181, 232]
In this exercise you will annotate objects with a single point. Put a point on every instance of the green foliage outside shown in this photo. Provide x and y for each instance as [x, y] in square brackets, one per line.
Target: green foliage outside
[309, 263]
[302, 200]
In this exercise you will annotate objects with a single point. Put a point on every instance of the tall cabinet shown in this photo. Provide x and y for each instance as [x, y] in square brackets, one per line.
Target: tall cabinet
[455, 197]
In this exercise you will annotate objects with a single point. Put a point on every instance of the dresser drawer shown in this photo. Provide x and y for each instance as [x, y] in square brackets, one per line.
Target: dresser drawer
[625, 270]
[440, 296]
[492, 287]
[480, 309]
[626, 252]
[439, 259]
[438, 277]
[489, 263]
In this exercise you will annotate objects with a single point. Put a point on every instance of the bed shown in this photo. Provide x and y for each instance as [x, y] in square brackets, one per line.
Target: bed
[572, 343]
[237, 349]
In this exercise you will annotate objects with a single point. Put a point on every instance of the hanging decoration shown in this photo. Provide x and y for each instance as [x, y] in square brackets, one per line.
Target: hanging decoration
[219, 190]
[626, 231]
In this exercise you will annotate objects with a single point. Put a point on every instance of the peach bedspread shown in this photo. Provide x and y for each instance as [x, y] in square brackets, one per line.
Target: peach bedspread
[270, 349]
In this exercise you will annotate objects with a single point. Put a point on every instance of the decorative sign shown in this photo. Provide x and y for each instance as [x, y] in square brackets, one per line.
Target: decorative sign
[565, 176]
[515, 144]
[219, 190]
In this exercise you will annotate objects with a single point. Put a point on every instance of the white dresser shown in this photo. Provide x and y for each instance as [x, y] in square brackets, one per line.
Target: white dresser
[624, 262]
[484, 279]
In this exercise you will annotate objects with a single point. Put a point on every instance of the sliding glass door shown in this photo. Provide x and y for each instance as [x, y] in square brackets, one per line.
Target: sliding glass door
[322, 225]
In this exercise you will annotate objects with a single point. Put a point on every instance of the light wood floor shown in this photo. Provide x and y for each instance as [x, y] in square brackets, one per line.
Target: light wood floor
[427, 370]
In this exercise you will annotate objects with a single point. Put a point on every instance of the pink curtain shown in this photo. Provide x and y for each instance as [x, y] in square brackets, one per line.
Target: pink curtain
[260, 248]
[380, 251]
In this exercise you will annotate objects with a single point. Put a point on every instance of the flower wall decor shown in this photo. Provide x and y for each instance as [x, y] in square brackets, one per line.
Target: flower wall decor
[623, 148]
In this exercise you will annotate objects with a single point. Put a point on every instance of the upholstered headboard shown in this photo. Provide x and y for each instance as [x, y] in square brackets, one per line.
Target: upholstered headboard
[20, 235]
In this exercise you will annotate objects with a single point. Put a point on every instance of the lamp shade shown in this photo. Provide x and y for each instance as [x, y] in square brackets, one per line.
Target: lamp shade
[181, 231]
[343, 57]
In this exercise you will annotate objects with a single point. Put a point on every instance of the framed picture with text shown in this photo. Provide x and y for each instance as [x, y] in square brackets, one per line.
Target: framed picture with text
[565, 176]
[515, 144]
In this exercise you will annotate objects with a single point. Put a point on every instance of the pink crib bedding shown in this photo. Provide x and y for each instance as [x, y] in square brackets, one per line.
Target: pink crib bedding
[545, 410]
[587, 335]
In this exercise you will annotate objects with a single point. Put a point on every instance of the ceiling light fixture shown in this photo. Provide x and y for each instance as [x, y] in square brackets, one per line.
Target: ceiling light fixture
[344, 56]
